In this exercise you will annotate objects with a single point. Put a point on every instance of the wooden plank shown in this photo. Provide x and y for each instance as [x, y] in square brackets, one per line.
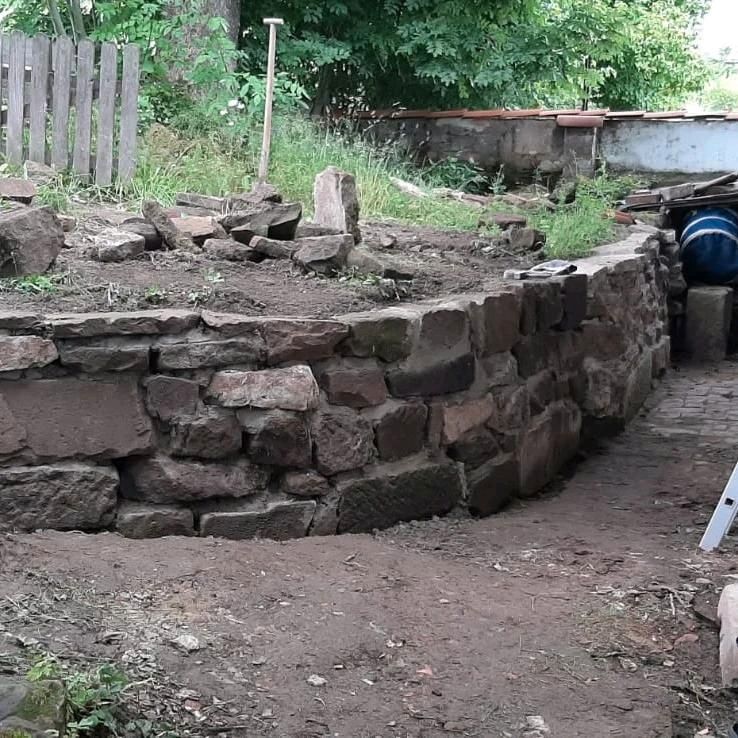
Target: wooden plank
[63, 56]
[39, 91]
[128, 114]
[16, 68]
[106, 115]
[3, 45]
[83, 107]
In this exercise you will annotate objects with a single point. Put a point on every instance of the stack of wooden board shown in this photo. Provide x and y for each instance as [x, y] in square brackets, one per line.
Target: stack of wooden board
[721, 191]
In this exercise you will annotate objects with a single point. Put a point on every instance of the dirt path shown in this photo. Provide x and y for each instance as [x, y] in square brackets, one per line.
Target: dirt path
[573, 615]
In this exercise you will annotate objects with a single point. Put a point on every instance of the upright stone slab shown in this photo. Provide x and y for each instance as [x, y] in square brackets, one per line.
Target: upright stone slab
[280, 521]
[30, 241]
[708, 322]
[337, 202]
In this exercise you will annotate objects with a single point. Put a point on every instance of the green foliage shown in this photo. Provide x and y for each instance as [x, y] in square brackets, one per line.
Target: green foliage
[459, 174]
[37, 284]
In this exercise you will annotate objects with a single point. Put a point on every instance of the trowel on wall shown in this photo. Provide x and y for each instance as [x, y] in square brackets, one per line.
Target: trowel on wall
[555, 268]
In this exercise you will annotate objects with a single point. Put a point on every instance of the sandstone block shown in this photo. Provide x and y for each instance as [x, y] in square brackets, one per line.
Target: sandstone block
[550, 441]
[199, 227]
[542, 391]
[142, 323]
[70, 418]
[25, 352]
[475, 447]
[294, 388]
[408, 490]
[70, 496]
[604, 340]
[500, 369]
[399, 428]
[272, 248]
[160, 479]
[171, 397]
[277, 438]
[212, 434]
[310, 230]
[228, 250]
[12, 435]
[342, 440]
[353, 382]
[105, 355]
[337, 201]
[544, 299]
[301, 340]
[441, 378]
[196, 354]
[280, 521]
[17, 190]
[513, 409]
[139, 520]
[574, 294]
[304, 484]
[495, 321]
[279, 219]
[462, 417]
[21, 320]
[323, 254]
[232, 325]
[142, 227]
[114, 244]
[387, 334]
[709, 314]
[30, 240]
[492, 485]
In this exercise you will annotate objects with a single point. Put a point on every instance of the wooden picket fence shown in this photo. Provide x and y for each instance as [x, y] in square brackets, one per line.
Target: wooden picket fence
[60, 105]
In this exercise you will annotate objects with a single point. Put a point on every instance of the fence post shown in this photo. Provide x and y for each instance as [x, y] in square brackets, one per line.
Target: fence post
[106, 114]
[39, 93]
[63, 56]
[16, 74]
[83, 107]
[128, 114]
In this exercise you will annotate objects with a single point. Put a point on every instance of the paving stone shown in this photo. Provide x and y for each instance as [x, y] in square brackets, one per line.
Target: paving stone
[24, 352]
[212, 434]
[342, 440]
[71, 418]
[145, 322]
[277, 438]
[492, 485]
[294, 388]
[171, 397]
[280, 521]
[709, 314]
[67, 496]
[353, 382]
[337, 201]
[414, 489]
[139, 520]
[399, 428]
[160, 479]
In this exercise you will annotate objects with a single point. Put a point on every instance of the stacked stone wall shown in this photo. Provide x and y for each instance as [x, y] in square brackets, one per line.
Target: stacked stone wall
[196, 423]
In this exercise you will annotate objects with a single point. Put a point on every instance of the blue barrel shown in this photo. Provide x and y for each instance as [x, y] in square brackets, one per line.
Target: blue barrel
[709, 246]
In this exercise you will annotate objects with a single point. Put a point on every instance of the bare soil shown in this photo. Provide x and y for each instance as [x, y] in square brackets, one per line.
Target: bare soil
[586, 613]
[445, 263]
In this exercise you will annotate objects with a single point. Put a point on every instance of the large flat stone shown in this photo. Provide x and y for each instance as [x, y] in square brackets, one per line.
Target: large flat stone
[139, 520]
[198, 354]
[232, 324]
[280, 521]
[71, 496]
[144, 322]
[160, 479]
[342, 440]
[407, 490]
[25, 352]
[71, 418]
[105, 355]
[277, 438]
[301, 340]
[294, 388]
[21, 321]
[709, 314]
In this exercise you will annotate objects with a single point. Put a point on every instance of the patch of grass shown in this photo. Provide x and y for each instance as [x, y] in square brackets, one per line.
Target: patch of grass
[37, 284]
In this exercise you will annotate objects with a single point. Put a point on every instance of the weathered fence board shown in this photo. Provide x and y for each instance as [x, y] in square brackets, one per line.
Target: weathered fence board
[60, 104]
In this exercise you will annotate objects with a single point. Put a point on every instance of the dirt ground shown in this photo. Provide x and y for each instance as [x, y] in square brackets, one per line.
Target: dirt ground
[443, 262]
[586, 613]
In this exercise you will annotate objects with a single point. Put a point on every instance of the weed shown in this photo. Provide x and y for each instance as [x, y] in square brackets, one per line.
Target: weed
[459, 174]
[155, 296]
[37, 284]
[214, 277]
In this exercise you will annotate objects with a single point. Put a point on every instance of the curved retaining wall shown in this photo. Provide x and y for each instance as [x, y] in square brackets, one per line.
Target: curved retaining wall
[174, 422]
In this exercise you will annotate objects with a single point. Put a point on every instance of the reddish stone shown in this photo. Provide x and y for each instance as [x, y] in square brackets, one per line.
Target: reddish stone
[25, 352]
[342, 439]
[399, 428]
[105, 355]
[277, 438]
[458, 419]
[301, 340]
[387, 334]
[213, 434]
[354, 383]
[170, 397]
[145, 322]
[294, 388]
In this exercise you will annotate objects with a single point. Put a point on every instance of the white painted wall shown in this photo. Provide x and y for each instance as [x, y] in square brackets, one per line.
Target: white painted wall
[691, 147]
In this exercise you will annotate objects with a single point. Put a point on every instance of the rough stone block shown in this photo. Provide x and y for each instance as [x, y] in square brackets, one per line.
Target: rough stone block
[387, 334]
[475, 447]
[160, 479]
[545, 298]
[171, 397]
[212, 434]
[105, 355]
[551, 440]
[139, 520]
[460, 418]
[492, 485]
[301, 340]
[30, 240]
[294, 388]
[304, 484]
[230, 325]
[197, 354]
[399, 428]
[17, 189]
[574, 294]
[71, 496]
[444, 331]
[113, 244]
[142, 227]
[325, 519]
[407, 490]
[337, 201]
[709, 313]
[353, 382]
[440, 378]
[280, 219]
[12, 434]
[69, 418]
[323, 254]
[495, 321]
[280, 522]
[277, 438]
[342, 440]
[142, 323]
[268, 247]
[513, 409]
[21, 321]
[562, 350]
[25, 352]
[228, 250]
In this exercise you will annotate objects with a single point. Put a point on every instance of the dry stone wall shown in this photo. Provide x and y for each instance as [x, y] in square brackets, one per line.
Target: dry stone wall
[174, 422]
